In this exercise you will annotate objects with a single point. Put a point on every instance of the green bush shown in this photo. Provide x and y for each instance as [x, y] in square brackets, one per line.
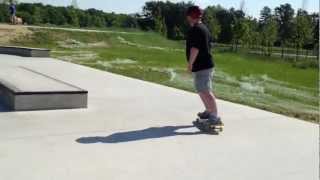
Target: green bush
[305, 64]
[4, 13]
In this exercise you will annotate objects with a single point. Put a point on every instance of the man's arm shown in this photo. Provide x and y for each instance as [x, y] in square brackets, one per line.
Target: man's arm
[193, 56]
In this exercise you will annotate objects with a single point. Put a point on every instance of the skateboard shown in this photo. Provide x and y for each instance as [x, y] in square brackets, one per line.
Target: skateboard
[207, 127]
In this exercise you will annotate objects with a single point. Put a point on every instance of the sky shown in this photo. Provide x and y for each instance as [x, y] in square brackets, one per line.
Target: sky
[252, 7]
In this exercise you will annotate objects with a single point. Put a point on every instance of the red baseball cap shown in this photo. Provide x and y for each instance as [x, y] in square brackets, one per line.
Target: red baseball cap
[195, 12]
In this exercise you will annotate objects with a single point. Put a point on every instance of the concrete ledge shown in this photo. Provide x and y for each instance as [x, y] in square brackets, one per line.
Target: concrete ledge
[23, 89]
[24, 51]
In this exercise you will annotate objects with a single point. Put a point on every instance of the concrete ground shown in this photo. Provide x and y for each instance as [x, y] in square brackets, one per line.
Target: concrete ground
[139, 130]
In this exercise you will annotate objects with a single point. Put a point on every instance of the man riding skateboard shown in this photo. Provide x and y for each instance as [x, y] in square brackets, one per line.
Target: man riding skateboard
[200, 64]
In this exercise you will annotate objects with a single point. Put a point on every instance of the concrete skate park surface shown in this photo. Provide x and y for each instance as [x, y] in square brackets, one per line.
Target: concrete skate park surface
[139, 130]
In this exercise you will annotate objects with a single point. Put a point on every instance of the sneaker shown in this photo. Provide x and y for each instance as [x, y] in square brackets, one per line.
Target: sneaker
[215, 121]
[204, 115]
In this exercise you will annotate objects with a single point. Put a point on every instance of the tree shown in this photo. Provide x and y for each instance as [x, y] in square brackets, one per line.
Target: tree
[302, 30]
[160, 21]
[110, 19]
[315, 32]
[265, 15]
[240, 27]
[84, 19]
[268, 28]
[253, 34]
[225, 19]
[212, 22]
[246, 29]
[126, 21]
[255, 39]
[56, 16]
[4, 14]
[214, 27]
[269, 34]
[285, 15]
[316, 35]
[167, 17]
[71, 16]
[96, 21]
[161, 26]
[36, 15]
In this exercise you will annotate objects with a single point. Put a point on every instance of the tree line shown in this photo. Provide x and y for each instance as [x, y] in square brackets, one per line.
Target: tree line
[37, 13]
[281, 27]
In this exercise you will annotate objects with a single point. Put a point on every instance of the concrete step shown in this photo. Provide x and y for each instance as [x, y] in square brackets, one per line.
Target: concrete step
[24, 51]
[25, 89]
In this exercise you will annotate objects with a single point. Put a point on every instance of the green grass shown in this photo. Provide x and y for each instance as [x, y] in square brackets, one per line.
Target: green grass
[258, 81]
[245, 65]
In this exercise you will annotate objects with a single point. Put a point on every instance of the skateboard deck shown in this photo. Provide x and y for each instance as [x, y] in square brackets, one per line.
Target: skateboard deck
[207, 128]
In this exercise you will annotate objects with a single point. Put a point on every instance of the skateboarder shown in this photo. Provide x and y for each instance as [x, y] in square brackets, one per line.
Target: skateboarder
[12, 11]
[200, 64]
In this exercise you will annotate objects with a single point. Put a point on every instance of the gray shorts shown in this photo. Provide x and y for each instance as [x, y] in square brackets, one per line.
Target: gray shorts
[203, 80]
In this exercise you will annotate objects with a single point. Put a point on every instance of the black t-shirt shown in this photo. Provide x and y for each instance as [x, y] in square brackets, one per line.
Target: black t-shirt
[199, 37]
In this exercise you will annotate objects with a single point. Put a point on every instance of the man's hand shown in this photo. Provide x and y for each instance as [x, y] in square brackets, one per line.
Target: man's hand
[190, 66]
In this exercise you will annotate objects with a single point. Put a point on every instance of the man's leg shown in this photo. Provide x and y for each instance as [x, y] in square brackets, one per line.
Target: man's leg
[204, 101]
[203, 84]
[13, 19]
[209, 101]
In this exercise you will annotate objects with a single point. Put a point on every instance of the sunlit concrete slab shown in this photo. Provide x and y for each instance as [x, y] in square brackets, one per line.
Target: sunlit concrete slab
[24, 51]
[24, 89]
[139, 130]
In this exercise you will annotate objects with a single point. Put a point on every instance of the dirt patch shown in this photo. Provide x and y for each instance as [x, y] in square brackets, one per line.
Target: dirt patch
[10, 32]
[72, 44]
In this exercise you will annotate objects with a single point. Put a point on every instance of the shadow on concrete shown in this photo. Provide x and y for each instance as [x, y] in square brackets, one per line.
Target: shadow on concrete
[150, 133]
[3, 108]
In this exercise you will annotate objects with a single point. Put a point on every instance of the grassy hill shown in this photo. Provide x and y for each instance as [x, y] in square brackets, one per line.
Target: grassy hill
[266, 83]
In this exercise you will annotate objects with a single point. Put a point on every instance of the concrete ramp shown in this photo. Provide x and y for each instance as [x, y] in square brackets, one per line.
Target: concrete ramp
[24, 51]
[25, 89]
